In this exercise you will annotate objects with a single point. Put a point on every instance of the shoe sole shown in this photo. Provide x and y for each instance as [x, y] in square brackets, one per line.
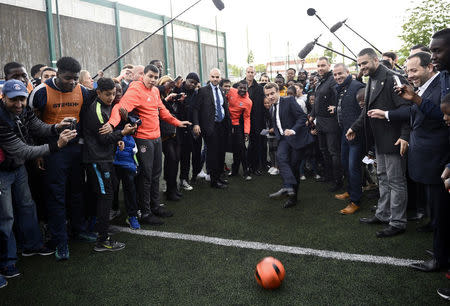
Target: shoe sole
[4, 285]
[106, 249]
[33, 254]
[445, 297]
[11, 276]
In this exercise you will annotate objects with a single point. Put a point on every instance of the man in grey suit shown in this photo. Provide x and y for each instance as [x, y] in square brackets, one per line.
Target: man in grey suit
[387, 136]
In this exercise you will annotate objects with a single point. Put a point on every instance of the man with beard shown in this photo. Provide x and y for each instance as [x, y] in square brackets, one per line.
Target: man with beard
[329, 133]
[391, 143]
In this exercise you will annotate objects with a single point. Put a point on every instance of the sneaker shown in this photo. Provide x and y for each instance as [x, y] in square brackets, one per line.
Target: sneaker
[247, 178]
[86, 237]
[444, 293]
[3, 282]
[185, 185]
[317, 177]
[151, 220]
[201, 175]
[275, 172]
[302, 178]
[208, 178]
[161, 211]
[109, 245]
[43, 251]
[133, 223]
[270, 170]
[62, 252]
[139, 214]
[9, 271]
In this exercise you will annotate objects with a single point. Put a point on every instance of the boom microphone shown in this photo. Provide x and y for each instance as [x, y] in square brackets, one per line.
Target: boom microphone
[311, 12]
[337, 26]
[219, 4]
[308, 48]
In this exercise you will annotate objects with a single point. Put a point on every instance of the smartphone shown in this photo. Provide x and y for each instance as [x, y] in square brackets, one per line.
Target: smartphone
[397, 80]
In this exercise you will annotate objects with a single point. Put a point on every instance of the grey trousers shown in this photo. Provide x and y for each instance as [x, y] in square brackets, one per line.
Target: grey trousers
[393, 191]
[149, 156]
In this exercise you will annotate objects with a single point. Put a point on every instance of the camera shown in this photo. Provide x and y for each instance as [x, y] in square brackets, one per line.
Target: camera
[73, 124]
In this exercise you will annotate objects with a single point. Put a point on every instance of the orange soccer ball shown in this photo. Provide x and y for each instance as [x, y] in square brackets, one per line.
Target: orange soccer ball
[269, 273]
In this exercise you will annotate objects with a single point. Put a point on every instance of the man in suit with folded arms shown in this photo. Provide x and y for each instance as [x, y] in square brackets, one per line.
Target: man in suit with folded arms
[289, 125]
[211, 119]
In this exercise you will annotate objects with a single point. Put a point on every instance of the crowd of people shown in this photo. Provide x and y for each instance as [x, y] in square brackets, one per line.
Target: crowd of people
[66, 143]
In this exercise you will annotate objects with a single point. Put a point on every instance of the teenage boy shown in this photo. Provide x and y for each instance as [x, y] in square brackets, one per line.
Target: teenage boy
[98, 154]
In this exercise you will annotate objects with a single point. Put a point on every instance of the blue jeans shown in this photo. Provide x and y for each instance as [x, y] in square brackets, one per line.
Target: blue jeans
[14, 184]
[351, 156]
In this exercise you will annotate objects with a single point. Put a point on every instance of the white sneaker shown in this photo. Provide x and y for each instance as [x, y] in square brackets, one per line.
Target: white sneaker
[208, 178]
[317, 176]
[248, 178]
[275, 172]
[185, 185]
[302, 178]
[201, 174]
[270, 170]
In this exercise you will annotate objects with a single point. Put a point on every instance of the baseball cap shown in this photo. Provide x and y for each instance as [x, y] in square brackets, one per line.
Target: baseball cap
[14, 88]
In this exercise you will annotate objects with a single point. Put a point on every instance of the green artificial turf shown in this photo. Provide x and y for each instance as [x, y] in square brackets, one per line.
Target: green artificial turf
[157, 271]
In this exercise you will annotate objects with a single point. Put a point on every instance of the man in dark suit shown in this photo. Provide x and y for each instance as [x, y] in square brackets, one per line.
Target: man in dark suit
[430, 149]
[289, 126]
[211, 119]
[387, 136]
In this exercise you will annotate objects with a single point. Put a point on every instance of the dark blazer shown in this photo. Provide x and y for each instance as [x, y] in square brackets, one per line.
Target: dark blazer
[429, 148]
[380, 95]
[325, 96]
[204, 110]
[292, 117]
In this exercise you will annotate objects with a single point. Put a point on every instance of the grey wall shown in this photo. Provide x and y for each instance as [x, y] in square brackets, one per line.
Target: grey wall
[23, 37]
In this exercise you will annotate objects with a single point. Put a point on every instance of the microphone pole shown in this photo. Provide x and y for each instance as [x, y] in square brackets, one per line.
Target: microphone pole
[312, 12]
[341, 54]
[363, 38]
[219, 4]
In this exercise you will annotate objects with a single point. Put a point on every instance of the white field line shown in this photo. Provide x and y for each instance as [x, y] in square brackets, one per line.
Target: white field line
[273, 247]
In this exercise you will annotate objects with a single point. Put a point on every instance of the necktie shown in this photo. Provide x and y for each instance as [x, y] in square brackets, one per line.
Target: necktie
[218, 106]
[277, 118]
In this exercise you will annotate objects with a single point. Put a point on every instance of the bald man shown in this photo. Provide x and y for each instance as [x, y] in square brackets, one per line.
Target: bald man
[211, 119]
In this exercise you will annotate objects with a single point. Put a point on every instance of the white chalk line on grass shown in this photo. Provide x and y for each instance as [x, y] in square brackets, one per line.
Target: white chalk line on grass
[273, 247]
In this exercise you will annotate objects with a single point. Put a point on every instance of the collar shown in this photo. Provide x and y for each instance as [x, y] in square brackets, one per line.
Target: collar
[213, 87]
[423, 88]
[347, 81]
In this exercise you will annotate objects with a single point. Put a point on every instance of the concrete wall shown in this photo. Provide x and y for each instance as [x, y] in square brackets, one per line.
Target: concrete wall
[91, 38]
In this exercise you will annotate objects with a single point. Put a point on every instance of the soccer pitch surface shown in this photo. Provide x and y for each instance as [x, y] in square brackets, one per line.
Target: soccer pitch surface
[329, 258]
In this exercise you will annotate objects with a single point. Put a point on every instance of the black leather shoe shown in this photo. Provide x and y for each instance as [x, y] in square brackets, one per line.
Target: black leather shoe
[416, 217]
[335, 187]
[371, 220]
[152, 220]
[444, 293]
[218, 185]
[390, 231]
[426, 266]
[291, 202]
[223, 181]
[172, 196]
[427, 228]
[161, 211]
[280, 193]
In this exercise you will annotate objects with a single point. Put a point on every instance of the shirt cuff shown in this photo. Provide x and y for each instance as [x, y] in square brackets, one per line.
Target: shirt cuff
[386, 115]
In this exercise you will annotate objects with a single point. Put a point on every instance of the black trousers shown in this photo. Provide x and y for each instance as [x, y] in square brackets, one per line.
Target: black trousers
[216, 143]
[439, 200]
[191, 147]
[171, 150]
[100, 182]
[239, 149]
[257, 150]
[330, 147]
[127, 177]
[150, 167]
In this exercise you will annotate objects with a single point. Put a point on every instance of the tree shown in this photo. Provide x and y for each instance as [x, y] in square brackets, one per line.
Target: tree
[330, 54]
[250, 57]
[235, 70]
[421, 22]
[260, 68]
